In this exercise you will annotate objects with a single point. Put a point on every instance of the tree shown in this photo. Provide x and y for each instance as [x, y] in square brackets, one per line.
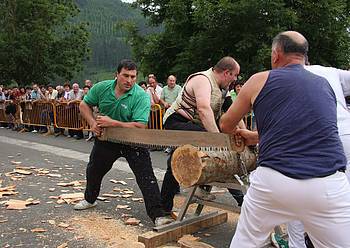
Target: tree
[40, 41]
[199, 32]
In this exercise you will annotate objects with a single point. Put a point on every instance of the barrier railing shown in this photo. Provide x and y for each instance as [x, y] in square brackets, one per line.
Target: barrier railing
[156, 117]
[68, 116]
[61, 115]
[3, 117]
[38, 113]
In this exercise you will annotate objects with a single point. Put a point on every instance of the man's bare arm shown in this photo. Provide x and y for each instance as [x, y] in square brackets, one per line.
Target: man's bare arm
[242, 104]
[202, 92]
[86, 112]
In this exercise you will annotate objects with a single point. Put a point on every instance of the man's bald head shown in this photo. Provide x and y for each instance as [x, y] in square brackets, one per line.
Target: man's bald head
[291, 42]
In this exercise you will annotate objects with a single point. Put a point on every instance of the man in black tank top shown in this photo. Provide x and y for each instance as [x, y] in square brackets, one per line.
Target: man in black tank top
[300, 154]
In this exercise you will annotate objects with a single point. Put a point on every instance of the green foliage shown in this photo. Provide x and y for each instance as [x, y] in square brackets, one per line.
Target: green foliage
[107, 40]
[199, 32]
[39, 41]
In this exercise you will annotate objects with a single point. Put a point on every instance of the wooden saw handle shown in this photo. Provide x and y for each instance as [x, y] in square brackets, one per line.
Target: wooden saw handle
[237, 144]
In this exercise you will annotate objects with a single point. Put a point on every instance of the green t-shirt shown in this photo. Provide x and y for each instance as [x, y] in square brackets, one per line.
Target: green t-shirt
[133, 106]
[169, 95]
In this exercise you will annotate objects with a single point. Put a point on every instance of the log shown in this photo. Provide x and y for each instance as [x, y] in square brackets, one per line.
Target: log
[191, 166]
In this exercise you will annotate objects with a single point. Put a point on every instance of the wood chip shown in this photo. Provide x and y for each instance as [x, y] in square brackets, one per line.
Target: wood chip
[52, 222]
[122, 206]
[16, 204]
[54, 175]
[100, 198]
[16, 162]
[38, 230]
[62, 224]
[118, 182]
[22, 172]
[132, 222]
[110, 195]
[64, 245]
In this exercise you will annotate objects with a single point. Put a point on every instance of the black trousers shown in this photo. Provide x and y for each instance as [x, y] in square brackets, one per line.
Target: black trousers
[102, 157]
[170, 185]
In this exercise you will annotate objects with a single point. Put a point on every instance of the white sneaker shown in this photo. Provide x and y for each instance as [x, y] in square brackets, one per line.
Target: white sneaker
[204, 195]
[83, 204]
[160, 221]
[34, 131]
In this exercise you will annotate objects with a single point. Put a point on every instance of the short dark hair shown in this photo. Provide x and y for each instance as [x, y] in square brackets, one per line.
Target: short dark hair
[66, 84]
[127, 64]
[226, 63]
[49, 85]
[288, 45]
[142, 83]
[86, 86]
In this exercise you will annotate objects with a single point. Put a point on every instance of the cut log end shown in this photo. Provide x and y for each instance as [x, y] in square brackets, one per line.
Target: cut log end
[187, 165]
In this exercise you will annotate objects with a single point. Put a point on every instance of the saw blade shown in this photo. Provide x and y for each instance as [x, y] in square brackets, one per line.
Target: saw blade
[154, 138]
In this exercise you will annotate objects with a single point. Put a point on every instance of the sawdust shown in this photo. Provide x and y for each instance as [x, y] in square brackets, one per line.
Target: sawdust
[107, 232]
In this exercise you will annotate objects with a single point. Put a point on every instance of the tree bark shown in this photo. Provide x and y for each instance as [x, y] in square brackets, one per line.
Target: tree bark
[192, 166]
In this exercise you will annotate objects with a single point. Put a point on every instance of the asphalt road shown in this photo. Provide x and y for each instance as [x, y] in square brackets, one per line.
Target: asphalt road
[66, 159]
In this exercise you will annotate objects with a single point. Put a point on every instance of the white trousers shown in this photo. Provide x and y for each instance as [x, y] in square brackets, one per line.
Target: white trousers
[296, 228]
[272, 199]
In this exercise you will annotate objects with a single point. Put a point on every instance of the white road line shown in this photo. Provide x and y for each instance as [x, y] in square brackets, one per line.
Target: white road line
[68, 153]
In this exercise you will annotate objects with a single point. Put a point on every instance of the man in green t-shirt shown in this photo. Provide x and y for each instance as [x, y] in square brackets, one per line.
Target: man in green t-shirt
[122, 103]
[170, 92]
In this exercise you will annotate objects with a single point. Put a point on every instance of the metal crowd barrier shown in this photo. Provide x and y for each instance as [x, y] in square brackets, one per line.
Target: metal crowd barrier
[156, 117]
[68, 116]
[62, 114]
[38, 113]
[5, 118]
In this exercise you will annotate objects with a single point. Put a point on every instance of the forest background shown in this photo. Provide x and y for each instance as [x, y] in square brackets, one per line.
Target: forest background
[51, 41]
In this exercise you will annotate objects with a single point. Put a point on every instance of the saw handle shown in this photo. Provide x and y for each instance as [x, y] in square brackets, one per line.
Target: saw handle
[237, 143]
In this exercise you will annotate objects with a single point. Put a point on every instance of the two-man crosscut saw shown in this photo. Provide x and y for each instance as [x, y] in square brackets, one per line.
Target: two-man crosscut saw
[154, 138]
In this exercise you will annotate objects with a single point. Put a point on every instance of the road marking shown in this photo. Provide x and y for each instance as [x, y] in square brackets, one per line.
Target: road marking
[68, 153]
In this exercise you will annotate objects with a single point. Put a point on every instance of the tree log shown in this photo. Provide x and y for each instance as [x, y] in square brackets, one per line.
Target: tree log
[191, 166]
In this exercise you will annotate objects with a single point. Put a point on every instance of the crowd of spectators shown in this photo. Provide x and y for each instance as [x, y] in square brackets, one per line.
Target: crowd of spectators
[65, 93]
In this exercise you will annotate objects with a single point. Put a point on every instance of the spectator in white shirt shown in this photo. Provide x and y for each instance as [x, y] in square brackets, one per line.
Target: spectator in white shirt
[154, 90]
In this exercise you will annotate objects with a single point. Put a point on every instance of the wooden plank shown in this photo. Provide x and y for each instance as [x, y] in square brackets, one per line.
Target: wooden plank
[154, 239]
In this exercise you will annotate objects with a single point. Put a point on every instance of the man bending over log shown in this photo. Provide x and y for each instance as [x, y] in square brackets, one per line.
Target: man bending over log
[197, 108]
